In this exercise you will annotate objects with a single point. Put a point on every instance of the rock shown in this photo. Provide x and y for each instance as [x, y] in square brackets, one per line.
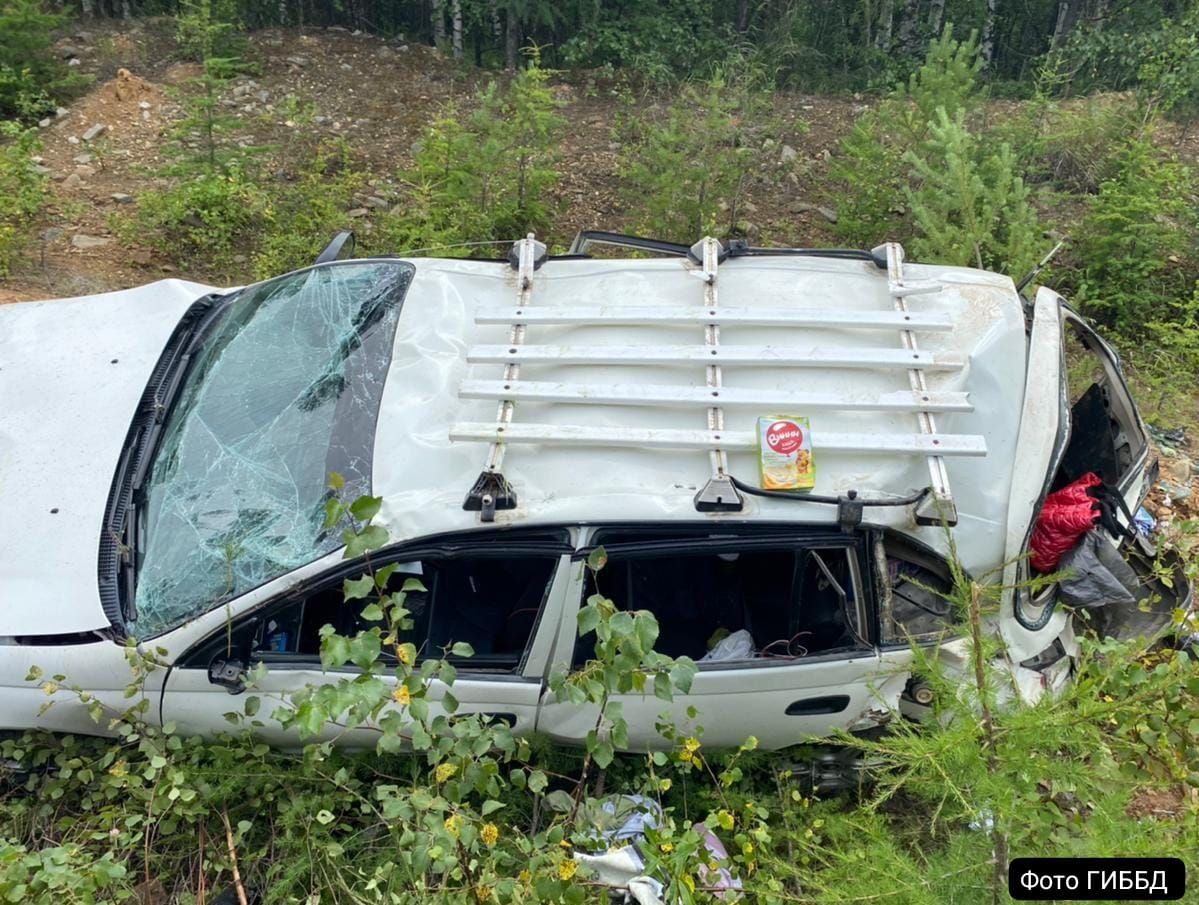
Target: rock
[81, 241]
[85, 171]
[43, 123]
[54, 232]
[804, 207]
[385, 53]
[121, 198]
[379, 204]
[347, 67]
[143, 105]
[41, 170]
[403, 48]
[72, 182]
[358, 212]
[74, 61]
[83, 158]
[60, 112]
[72, 139]
[94, 131]
[299, 62]
[67, 51]
[788, 154]
[264, 95]
[1178, 469]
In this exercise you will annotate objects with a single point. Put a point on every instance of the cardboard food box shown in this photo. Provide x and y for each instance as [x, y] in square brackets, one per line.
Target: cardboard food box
[785, 453]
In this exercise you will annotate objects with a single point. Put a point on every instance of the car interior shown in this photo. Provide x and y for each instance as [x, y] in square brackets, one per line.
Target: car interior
[792, 602]
[489, 602]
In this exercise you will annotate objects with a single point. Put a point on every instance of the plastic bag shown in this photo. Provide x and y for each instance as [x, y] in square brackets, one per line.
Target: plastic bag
[737, 646]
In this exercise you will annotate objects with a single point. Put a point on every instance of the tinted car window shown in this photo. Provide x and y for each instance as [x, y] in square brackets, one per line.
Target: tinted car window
[282, 388]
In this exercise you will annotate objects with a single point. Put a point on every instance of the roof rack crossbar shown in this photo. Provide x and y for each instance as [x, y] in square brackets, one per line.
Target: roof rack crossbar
[938, 506]
[491, 490]
[916, 444]
[669, 395]
[636, 315]
[812, 356]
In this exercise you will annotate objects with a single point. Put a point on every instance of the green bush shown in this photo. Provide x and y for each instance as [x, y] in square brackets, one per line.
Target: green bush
[486, 176]
[22, 189]
[969, 207]
[1137, 242]
[202, 219]
[685, 174]
[303, 215]
[871, 171]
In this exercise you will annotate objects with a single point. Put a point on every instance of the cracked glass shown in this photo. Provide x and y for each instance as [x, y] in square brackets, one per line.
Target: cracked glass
[282, 388]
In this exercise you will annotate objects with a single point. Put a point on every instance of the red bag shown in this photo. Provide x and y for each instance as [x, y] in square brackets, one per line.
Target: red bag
[1067, 515]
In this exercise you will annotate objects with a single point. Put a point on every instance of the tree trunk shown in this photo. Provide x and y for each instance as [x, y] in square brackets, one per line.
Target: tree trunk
[497, 26]
[437, 12]
[886, 15]
[742, 16]
[986, 47]
[1067, 18]
[126, 10]
[89, 9]
[907, 25]
[511, 40]
[456, 16]
[936, 13]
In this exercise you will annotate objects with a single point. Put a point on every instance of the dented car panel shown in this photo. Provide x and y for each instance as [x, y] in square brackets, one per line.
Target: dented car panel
[606, 366]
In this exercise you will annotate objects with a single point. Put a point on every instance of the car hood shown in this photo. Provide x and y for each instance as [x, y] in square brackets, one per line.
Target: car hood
[71, 375]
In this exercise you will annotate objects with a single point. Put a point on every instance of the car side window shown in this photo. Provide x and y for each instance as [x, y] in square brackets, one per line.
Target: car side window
[771, 605]
[491, 602]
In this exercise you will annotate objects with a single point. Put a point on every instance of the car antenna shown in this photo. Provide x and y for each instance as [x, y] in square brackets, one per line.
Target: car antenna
[1041, 265]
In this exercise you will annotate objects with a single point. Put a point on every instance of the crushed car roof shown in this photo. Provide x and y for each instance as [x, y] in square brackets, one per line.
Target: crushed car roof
[808, 336]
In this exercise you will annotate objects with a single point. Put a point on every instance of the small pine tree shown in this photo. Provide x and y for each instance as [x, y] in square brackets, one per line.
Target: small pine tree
[686, 176]
[871, 168]
[485, 177]
[969, 206]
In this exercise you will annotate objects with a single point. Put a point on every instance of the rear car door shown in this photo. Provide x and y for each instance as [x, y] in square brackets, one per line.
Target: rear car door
[802, 598]
[503, 597]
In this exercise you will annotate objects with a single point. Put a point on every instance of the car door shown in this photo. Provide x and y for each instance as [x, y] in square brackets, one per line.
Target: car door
[802, 596]
[503, 597]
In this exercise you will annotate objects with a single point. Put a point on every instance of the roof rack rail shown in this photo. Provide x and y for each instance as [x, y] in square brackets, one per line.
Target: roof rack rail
[737, 248]
[722, 492]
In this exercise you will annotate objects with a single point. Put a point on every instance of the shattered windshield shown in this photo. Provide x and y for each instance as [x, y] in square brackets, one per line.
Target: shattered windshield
[281, 389]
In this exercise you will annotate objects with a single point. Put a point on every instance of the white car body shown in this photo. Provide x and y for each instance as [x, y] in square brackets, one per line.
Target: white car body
[73, 374]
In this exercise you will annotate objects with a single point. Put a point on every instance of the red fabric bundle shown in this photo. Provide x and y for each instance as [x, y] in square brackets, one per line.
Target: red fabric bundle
[1067, 515]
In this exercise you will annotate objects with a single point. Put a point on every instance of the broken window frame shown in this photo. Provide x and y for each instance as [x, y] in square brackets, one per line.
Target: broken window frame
[698, 539]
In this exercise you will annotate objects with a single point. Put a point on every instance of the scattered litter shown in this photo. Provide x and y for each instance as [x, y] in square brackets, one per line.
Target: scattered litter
[1145, 523]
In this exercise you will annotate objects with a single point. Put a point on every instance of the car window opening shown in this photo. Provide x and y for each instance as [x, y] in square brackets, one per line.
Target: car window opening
[915, 603]
[751, 605]
[490, 603]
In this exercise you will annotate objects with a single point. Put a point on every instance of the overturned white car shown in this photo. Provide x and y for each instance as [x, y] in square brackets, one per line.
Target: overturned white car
[164, 453]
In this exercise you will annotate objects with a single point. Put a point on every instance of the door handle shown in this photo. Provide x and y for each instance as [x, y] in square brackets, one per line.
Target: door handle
[833, 703]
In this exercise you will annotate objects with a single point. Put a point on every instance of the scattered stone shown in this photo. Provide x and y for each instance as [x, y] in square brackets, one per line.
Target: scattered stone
[67, 52]
[357, 212]
[403, 48]
[72, 139]
[83, 158]
[264, 95]
[121, 198]
[74, 61]
[54, 232]
[85, 171]
[240, 259]
[41, 170]
[94, 131]
[379, 204]
[81, 241]
[72, 182]
[1177, 469]
[788, 154]
[60, 112]
[43, 123]
[143, 105]
[804, 207]
[299, 62]
[385, 53]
